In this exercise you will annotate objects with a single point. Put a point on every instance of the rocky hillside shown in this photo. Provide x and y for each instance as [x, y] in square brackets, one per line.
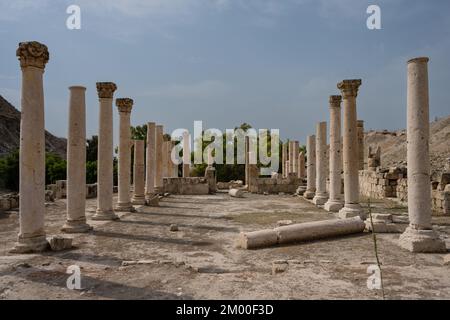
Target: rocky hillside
[10, 132]
[393, 145]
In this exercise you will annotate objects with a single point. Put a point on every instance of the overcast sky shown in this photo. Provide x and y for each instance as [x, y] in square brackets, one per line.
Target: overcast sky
[270, 63]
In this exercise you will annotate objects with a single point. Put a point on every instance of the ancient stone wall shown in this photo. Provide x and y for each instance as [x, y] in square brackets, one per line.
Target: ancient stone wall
[273, 186]
[393, 183]
[186, 186]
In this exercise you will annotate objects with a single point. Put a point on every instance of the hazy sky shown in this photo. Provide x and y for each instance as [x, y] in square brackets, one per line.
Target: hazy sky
[271, 63]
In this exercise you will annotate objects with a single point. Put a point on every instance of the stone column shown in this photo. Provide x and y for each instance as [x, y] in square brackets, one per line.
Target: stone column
[33, 57]
[174, 166]
[138, 173]
[321, 195]
[76, 163]
[335, 203]
[360, 125]
[419, 236]
[165, 162]
[186, 155]
[310, 167]
[291, 158]
[247, 149]
[105, 153]
[284, 153]
[210, 171]
[151, 161]
[349, 90]
[159, 159]
[124, 106]
[301, 166]
[295, 145]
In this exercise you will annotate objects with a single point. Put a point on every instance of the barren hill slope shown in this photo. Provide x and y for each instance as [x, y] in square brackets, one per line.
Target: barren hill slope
[10, 132]
[393, 145]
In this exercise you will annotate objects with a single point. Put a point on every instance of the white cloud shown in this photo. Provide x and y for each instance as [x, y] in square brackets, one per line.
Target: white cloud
[201, 90]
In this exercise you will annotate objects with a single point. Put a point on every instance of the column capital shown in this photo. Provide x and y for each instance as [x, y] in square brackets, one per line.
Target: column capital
[106, 89]
[32, 54]
[349, 88]
[124, 105]
[335, 101]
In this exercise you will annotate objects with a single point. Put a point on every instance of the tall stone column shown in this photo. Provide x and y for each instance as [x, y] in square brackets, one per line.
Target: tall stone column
[173, 166]
[349, 91]
[124, 106]
[419, 236]
[105, 153]
[33, 57]
[76, 163]
[310, 167]
[247, 149]
[165, 162]
[159, 159]
[360, 125]
[186, 155]
[335, 203]
[150, 161]
[291, 157]
[284, 154]
[138, 173]
[321, 195]
[295, 145]
[301, 166]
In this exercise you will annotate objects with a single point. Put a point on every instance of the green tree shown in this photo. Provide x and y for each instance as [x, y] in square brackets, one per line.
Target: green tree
[55, 168]
[9, 171]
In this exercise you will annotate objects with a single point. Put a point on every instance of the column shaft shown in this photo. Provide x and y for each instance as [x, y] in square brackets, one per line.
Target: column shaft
[32, 150]
[76, 163]
[310, 167]
[105, 153]
[151, 161]
[335, 203]
[159, 160]
[186, 155]
[124, 169]
[321, 195]
[419, 236]
[138, 173]
[349, 90]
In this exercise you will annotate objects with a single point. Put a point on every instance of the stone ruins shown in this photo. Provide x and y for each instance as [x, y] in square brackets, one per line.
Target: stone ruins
[331, 174]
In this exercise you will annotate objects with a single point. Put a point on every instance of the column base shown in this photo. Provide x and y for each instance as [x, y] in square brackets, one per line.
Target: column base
[301, 190]
[138, 200]
[350, 211]
[124, 207]
[320, 199]
[309, 194]
[76, 226]
[30, 245]
[152, 201]
[425, 241]
[102, 215]
[333, 205]
[382, 223]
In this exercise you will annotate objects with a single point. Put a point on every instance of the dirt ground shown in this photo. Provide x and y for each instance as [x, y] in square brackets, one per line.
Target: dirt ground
[200, 261]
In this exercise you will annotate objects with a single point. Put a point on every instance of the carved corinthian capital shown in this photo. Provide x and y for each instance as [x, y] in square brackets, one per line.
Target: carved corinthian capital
[335, 101]
[124, 105]
[106, 89]
[349, 88]
[32, 54]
